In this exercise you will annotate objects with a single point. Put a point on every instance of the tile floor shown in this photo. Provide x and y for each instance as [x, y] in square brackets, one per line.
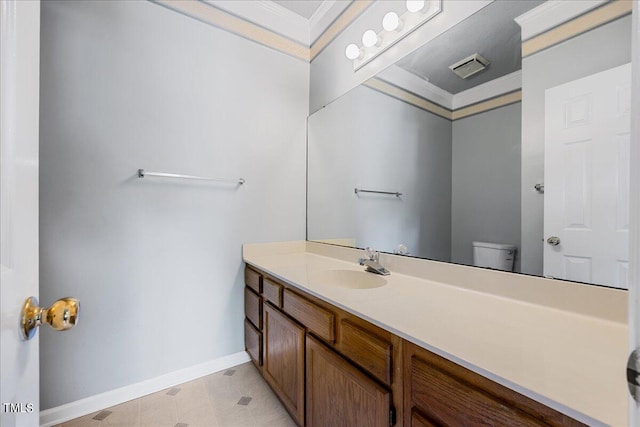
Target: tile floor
[237, 397]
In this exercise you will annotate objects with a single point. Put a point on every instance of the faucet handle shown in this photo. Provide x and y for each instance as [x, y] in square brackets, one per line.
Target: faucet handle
[372, 254]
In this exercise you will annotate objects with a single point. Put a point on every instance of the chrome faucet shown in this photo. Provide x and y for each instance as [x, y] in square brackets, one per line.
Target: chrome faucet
[371, 262]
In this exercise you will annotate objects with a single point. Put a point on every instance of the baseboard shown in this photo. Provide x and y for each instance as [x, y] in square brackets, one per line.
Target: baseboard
[79, 408]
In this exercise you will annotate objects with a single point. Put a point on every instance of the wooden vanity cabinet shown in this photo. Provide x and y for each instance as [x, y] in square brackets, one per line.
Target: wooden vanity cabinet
[439, 392]
[332, 368]
[284, 360]
[327, 367]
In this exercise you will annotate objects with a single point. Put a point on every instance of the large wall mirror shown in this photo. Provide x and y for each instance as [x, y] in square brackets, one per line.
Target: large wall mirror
[527, 157]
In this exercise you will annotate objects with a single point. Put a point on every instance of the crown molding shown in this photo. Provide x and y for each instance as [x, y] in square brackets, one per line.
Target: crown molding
[496, 87]
[404, 95]
[582, 23]
[281, 20]
[272, 25]
[404, 79]
[553, 13]
[408, 81]
[406, 86]
[269, 15]
[324, 16]
[210, 14]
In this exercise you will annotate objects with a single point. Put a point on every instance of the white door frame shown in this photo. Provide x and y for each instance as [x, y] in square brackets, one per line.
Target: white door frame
[634, 203]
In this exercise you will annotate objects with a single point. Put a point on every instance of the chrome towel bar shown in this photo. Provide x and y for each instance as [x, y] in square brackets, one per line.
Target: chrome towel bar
[142, 173]
[392, 193]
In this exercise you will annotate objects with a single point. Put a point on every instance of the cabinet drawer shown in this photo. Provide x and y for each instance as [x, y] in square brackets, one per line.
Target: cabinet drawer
[367, 350]
[253, 342]
[318, 320]
[253, 280]
[253, 307]
[272, 291]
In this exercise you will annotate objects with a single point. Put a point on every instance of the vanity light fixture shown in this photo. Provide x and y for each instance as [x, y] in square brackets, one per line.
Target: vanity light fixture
[391, 22]
[395, 28]
[417, 6]
[370, 39]
[353, 51]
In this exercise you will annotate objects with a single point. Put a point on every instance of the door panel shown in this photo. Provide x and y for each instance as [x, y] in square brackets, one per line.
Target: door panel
[19, 104]
[586, 205]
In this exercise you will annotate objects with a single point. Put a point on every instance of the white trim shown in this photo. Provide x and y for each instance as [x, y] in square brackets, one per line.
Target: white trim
[634, 206]
[279, 19]
[269, 15]
[410, 82]
[85, 406]
[324, 16]
[552, 13]
[400, 77]
[490, 89]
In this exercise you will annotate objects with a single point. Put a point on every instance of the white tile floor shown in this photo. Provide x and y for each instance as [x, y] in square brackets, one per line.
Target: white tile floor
[237, 397]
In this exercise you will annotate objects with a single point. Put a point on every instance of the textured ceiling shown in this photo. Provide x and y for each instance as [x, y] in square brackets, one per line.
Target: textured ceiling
[304, 8]
[491, 32]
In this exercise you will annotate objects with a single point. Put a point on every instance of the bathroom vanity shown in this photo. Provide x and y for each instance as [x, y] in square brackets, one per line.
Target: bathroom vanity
[340, 346]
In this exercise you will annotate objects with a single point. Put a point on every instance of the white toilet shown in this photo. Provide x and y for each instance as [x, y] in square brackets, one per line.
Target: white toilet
[499, 256]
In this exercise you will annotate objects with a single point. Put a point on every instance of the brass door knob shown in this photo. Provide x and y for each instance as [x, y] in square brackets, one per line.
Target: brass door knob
[62, 315]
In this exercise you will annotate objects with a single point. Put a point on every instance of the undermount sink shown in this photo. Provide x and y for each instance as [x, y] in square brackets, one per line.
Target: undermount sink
[352, 279]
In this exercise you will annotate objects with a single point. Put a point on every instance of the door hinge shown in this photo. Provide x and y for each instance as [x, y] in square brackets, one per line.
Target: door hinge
[392, 416]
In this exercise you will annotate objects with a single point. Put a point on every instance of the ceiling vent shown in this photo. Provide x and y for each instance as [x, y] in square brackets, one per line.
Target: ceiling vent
[469, 66]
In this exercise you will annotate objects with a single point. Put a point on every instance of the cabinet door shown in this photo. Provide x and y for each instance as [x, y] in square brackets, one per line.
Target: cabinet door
[338, 394]
[284, 360]
[439, 392]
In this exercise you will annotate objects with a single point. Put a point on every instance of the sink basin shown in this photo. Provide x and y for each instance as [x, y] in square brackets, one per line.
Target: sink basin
[352, 279]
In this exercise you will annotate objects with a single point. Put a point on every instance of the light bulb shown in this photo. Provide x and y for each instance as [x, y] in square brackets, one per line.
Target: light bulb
[416, 6]
[352, 51]
[370, 38]
[391, 22]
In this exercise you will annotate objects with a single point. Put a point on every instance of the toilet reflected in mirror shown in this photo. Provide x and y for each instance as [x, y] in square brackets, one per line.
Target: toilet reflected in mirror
[499, 256]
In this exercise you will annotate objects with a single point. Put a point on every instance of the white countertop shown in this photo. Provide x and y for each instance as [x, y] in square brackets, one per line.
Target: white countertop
[569, 353]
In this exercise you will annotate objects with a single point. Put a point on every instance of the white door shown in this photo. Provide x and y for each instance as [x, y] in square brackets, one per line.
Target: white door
[586, 177]
[19, 103]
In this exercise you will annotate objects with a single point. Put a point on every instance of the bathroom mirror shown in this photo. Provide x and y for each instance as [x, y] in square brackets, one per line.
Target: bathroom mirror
[419, 161]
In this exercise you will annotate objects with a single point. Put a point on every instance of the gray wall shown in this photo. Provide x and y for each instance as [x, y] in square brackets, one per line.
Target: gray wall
[373, 141]
[485, 203]
[597, 50]
[156, 264]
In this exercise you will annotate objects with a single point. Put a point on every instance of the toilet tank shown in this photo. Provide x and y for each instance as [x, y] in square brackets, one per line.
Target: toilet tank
[499, 256]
